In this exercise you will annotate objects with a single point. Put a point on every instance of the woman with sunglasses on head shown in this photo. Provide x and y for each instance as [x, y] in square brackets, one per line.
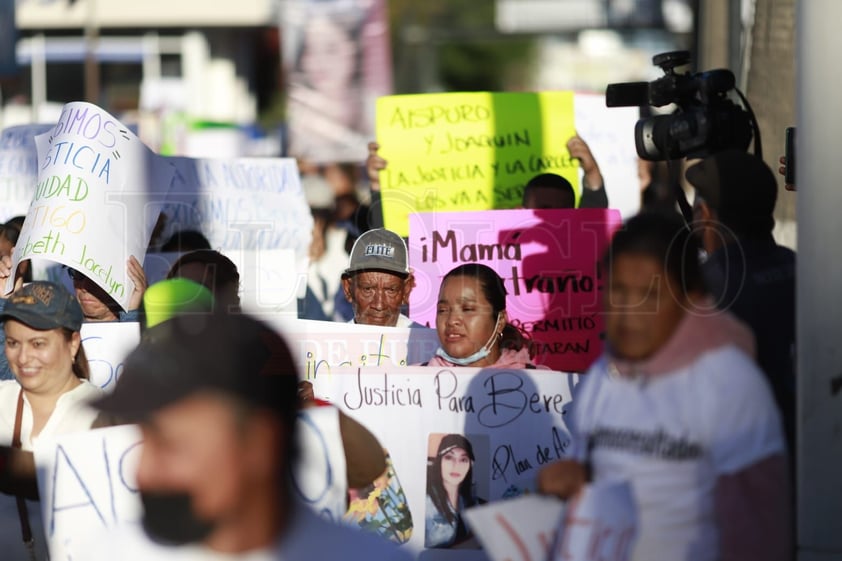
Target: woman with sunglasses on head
[48, 397]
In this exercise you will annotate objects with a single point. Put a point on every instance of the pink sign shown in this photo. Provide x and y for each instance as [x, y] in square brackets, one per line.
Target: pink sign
[547, 260]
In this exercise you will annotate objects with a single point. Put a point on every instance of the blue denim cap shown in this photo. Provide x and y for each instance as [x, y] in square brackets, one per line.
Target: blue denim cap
[44, 305]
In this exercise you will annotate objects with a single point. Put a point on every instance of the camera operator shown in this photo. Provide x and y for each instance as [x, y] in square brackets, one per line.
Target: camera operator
[747, 272]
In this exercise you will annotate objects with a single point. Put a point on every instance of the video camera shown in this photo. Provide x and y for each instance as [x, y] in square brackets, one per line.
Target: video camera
[705, 121]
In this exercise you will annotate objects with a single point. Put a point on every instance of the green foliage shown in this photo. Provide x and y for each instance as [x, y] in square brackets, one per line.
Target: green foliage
[460, 50]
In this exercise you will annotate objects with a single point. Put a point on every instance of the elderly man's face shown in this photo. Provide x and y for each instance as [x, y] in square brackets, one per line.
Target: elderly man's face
[376, 296]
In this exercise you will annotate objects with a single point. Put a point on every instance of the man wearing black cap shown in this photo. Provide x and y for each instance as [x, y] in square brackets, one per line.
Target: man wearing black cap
[746, 271]
[216, 399]
[377, 281]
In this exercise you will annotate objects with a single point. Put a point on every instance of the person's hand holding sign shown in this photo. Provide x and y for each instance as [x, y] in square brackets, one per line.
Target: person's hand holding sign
[373, 165]
[579, 149]
[6, 271]
[138, 277]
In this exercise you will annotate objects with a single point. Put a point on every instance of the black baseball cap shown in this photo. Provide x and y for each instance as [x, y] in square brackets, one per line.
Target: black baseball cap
[736, 184]
[231, 354]
[44, 305]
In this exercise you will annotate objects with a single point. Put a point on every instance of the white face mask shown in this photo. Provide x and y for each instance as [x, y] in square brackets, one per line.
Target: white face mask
[480, 354]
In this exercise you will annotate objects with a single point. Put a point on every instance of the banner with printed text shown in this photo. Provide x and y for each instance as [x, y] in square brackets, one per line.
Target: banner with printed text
[547, 260]
[469, 151]
[485, 431]
[97, 198]
[18, 168]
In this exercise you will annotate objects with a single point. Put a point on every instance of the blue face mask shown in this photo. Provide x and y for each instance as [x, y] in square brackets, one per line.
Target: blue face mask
[480, 354]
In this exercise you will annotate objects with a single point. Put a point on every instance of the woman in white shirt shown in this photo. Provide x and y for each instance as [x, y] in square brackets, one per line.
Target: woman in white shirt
[47, 398]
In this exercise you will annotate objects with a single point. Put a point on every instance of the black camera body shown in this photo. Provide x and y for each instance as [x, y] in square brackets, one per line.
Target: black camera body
[706, 119]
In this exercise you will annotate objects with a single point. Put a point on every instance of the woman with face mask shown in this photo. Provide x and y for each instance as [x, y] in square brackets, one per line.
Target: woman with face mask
[449, 492]
[472, 323]
[48, 397]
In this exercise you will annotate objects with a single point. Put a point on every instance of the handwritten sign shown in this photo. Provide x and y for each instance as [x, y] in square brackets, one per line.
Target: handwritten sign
[106, 345]
[469, 151]
[18, 168]
[547, 260]
[599, 525]
[517, 415]
[86, 481]
[321, 346]
[320, 476]
[609, 132]
[521, 529]
[242, 204]
[89, 209]
[267, 286]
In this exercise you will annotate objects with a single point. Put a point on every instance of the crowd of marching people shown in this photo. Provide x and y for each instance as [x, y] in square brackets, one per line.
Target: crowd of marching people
[691, 401]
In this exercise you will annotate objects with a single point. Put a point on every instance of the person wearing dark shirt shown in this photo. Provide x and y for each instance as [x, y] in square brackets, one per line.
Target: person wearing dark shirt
[747, 272]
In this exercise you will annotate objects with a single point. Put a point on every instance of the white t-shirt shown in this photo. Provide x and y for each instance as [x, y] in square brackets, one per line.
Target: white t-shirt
[309, 538]
[671, 436]
[70, 415]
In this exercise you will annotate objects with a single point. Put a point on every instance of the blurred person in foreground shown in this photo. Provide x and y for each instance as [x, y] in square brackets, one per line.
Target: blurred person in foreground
[378, 279]
[49, 397]
[747, 272]
[216, 400]
[677, 407]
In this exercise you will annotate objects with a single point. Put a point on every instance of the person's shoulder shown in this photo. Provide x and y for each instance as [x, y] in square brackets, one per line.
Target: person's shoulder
[9, 389]
[724, 360]
[404, 321]
[730, 375]
[86, 391]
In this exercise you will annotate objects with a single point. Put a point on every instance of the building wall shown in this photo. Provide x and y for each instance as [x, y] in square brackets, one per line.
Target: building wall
[771, 91]
[37, 14]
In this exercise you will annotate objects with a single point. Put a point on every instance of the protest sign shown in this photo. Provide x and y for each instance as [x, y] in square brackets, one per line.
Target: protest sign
[242, 204]
[469, 151]
[96, 199]
[320, 346]
[600, 524]
[609, 132]
[18, 168]
[320, 475]
[514, 421]
[268, 282]
[547, 260]
[106, 345]
[521, 529]
[86, 482]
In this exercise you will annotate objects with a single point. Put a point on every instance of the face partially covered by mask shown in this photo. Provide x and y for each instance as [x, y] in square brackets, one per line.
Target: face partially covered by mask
[198, 469]
[467, 326]
[168, 518]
